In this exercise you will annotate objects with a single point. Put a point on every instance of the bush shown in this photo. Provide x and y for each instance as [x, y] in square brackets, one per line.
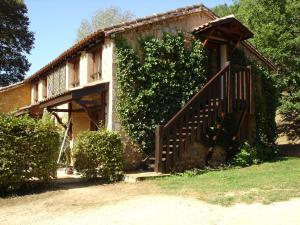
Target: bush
[28, 149]
[99, 154]
[247, 156]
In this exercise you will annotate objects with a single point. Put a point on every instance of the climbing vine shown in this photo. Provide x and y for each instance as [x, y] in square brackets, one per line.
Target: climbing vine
[266, 97]
[266, 102]
[155, 82]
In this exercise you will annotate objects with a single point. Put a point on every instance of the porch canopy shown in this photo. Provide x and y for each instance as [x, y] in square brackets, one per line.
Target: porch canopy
[84, 103]
[227, 27]
[32, 110]
[77, 96]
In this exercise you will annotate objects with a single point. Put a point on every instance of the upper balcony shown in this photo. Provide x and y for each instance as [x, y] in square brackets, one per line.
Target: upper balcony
[78, 72]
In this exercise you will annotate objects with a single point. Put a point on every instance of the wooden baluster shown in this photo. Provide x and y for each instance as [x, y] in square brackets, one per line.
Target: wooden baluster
[245, 85]
[200, 120]
[167, 151]
[244, 88]
[215, 100]
[247, 89]
[158, 148]
[181, 142]
[193, 124]
[251, 111]
[185, 138]
[175, 149]
[229, 91]
[209, 108]
[225, 101]
[241, 90]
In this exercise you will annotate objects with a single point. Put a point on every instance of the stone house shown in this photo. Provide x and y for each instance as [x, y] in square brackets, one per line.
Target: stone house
[80, 84]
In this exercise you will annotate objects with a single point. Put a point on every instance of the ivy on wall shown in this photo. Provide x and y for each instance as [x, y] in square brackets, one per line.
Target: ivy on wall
[154, 83]
[266, 97]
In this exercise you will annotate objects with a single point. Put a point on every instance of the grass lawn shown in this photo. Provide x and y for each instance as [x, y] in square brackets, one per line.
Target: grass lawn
[266, 183]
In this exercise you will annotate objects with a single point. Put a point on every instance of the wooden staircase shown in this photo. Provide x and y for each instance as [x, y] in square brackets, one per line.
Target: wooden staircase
[229, 91]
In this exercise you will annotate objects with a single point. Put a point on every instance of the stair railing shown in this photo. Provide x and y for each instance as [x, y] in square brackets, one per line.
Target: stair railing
[227, 91]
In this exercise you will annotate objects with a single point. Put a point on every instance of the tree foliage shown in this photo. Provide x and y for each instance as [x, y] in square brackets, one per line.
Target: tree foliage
[15, 41]
[275, 24]
[225, 10]
[153, 87]
[103, 18]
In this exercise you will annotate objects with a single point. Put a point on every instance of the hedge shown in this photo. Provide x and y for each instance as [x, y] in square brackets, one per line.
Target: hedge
[98, 154]
[28, 150]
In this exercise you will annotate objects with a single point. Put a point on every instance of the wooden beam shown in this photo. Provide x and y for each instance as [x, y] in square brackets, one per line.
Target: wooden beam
[87, 102]
[59, 120]
[88, 111]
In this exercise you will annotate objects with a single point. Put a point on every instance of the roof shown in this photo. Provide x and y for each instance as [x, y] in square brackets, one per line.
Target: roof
[12, 86]
[227, 26]
[102, 33]
[36, 109]
[72, 94]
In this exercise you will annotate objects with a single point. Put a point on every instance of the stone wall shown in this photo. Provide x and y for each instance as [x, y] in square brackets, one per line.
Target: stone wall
[15, 97]
[184, 24]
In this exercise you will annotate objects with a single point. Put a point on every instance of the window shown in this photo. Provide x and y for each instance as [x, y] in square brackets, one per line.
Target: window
[44, 86]
[36, 92]
[56, 82]
[96, 65]
[75, 74]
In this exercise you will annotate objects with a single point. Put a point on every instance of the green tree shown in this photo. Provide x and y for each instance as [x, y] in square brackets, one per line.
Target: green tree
[103, 18]
[15, 41]
[225, 10]
[275, 24]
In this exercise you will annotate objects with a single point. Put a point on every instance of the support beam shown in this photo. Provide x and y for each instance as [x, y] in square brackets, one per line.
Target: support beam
[88, 111]
[58, 119]
[96, 107]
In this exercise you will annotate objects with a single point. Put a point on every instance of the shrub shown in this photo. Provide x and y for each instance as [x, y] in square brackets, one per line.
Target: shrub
[99, 154]
[28, 149]
[246, 156]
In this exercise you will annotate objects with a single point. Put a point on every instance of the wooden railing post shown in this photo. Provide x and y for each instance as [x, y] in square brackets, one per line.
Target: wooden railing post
[158, 148]
[230, 88]
[251, 109]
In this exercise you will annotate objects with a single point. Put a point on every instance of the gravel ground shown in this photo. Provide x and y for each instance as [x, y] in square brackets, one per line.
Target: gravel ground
[128, 204]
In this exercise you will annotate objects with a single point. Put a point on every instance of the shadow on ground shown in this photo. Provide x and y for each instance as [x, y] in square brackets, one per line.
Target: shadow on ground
[36, 187]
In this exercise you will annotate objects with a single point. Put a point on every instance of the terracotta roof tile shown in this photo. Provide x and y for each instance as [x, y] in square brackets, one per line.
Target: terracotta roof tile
[15, 85]
[100, 34]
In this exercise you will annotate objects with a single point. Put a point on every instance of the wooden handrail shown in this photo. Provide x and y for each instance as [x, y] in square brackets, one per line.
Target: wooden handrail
[196, 97]
[228, 91]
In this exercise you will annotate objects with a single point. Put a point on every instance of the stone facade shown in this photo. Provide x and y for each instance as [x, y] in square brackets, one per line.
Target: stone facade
[14, 98]
[35, 88]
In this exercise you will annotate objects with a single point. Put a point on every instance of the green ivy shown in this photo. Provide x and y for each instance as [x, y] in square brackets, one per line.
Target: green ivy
[155, 82]
[266, 96]
[266, 102]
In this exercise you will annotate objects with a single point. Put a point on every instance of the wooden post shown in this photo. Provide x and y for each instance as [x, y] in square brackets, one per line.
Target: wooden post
[158, 148]
[229, 89]
[251, 109]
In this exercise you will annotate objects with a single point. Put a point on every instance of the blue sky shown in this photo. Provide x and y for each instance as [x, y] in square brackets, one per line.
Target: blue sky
[55, 22]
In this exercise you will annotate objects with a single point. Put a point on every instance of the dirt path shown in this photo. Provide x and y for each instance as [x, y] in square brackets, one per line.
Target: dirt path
[137, 204]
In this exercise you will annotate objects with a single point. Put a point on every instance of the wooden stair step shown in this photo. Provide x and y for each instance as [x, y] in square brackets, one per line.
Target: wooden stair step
[170, 146]
[165, 152]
